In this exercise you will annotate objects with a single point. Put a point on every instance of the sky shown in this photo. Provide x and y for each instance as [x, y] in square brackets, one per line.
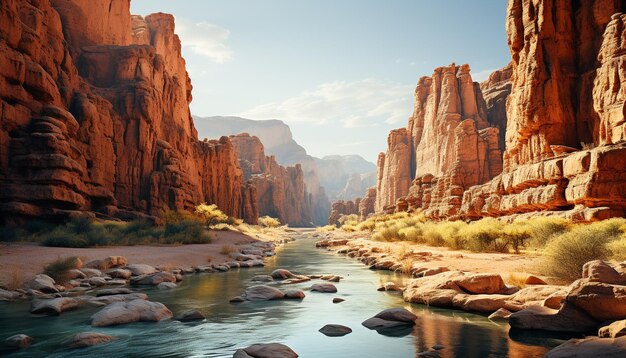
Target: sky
[340, 73]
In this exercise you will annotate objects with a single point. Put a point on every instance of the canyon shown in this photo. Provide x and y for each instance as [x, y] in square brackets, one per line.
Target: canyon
[542, 136]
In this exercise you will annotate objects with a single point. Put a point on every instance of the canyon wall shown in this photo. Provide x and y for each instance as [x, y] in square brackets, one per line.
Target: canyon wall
[561, 103]
[95, 117]
[447, 147]
[340, 208]
[280, 191]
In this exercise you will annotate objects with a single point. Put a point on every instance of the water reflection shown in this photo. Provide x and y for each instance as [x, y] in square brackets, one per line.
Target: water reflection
[295, 323]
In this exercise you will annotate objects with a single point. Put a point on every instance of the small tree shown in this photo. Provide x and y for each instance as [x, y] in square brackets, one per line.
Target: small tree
[212, 214]
[268, 221]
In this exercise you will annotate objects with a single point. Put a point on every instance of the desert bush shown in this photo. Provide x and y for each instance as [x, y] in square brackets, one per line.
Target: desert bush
[565, 255]
[327, 228]
[617, 248]
[483, 236]
[349, 228]
[267, 221]
[59, 268]
[213, 215]
[517, 235]
[351, 220]
[411, 233]
[543, 229]
[227, 250]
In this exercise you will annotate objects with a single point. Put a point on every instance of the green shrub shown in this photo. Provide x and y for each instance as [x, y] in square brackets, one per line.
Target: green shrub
[543, 229]
[411, 233]
[618, 248]
[267, 221]
[59, 268]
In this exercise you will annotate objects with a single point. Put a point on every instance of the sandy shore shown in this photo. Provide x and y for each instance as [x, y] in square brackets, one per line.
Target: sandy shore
[28, 259]
[506, 265]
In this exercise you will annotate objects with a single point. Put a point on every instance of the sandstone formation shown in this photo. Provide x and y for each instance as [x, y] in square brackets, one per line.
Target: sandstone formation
[341, 208]
[95, 116]
[542, 136]
[279, 191]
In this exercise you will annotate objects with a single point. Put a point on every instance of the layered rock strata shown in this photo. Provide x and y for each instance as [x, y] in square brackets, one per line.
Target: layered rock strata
[95, 116]
[564, 147]
[280, 191]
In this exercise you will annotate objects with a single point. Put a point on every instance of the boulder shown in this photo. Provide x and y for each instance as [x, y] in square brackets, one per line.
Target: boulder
[130, 311]
[601, 301]
[108, 263]
[324, 287]
[281, 274]
[108, 299]
[91, 272]
[9, 295]
[268, 350]
[397, 314]
[262, 293]
[43, 283]
[614, 330]
[590, 347]
[534, 280]
[335, 330]
[262, 278]
[190, 315]
[294, 294]
[153, 279]
[600, 271]
[338, 300]
[488, 283]
[88, 339]
[568, 319]
[18, 341]
[120, 273]
[141, 269]
[53, 306]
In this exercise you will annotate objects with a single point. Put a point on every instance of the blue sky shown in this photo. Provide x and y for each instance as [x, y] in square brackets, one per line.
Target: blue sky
[341, 73]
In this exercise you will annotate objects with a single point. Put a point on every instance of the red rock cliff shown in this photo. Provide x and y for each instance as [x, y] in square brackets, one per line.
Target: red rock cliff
[95, 116]
[280, 191]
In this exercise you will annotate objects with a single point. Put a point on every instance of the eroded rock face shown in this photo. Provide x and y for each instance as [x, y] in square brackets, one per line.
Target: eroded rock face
[564, 124]
[343, 207]
[279, 191]
[95, 116]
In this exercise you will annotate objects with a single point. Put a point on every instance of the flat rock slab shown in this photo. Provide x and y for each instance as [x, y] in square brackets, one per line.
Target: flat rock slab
[269, 350]
[262, 293]
[335, 330]
[54, 306]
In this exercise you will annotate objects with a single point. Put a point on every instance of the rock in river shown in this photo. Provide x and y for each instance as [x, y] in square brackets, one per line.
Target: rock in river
[130, 311]
[18, 341]
[190, 315]
[53, 306]
[269, 350]
[335, 330]
[391, 317]
[324, 287]
[262, 293]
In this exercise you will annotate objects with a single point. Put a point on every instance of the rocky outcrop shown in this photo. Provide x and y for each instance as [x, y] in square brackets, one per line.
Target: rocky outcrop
[447, 147]
[564, 139]
[95, 116]
[367, 205]
[341, 208]
[279, 191]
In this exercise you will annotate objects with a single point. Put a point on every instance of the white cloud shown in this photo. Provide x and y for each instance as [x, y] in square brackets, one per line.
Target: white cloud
[361, 103]
[205, 39]
[482, 75]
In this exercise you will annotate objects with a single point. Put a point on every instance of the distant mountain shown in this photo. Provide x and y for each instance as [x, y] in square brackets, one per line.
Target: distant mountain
[331, 172]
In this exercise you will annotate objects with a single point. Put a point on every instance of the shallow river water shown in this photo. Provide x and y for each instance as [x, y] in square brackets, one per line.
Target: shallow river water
[295, 323]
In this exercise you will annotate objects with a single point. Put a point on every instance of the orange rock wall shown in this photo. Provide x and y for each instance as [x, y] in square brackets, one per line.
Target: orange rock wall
[95, 116]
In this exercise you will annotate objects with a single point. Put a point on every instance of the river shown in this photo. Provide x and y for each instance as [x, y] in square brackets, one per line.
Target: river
[294, 323]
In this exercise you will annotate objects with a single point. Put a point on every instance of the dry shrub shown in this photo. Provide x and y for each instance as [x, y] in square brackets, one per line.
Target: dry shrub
[228, 250]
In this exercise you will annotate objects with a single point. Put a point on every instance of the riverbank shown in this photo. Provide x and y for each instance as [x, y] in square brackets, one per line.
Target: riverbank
[412, 256]
[21, 261]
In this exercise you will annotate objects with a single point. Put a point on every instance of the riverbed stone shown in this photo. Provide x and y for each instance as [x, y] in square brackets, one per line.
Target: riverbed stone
[488, 283]
[601, 271]
[294, 294]
[88, 339]
[281, 274]
[338, 300]
[397, 314]
[42, 283]
[262, 293]
[601, 301]
[190, 315]
[120, 273]
[108, 299]
[18, 341]
[91, 272]
[501, 314]
[6, 295]
[53, 306]
[113, 291]
[590, 347]
[166, 285]
[567, 319]
[141, 269]
[267, 350]
[324, 287]
[107, 263]
[130, 311]
[335, 330]
[153, 279]
[262, 278]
